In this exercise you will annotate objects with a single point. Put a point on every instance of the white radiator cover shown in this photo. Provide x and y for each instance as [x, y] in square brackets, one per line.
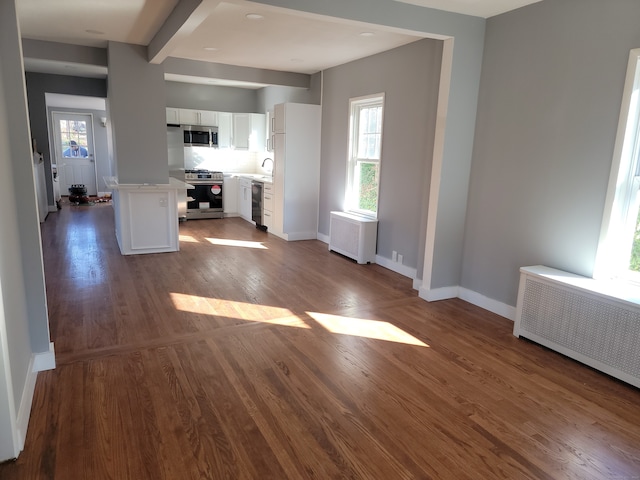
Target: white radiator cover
[353, 236]
[594, 322]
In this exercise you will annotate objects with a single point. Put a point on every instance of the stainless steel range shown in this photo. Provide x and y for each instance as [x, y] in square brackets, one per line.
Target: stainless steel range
[205, 199]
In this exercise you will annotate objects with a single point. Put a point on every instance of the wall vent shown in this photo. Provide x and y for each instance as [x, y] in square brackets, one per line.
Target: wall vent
[353, 236]
[582, 318]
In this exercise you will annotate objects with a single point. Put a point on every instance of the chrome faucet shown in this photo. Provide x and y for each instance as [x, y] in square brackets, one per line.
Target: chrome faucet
[265, 161]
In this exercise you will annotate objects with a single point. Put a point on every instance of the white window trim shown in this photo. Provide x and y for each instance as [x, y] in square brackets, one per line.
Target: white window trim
[353, 140]
[622, 198]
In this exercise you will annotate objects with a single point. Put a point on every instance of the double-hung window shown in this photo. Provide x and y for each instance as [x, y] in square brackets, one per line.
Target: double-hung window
[619, 247]
[365, 147]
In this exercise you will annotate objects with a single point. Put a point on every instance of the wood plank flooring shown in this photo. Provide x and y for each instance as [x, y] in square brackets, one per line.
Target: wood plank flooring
[246, 357]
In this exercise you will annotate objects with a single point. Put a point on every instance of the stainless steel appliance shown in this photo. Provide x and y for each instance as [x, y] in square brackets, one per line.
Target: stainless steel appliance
[256, 204]
[199, 136]
[205, 199]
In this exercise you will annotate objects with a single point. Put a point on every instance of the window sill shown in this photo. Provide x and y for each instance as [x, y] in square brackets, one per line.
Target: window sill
[619, 289]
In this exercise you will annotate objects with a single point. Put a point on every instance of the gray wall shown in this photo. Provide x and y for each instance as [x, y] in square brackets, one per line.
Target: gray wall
[37, 85]
[445, 257]
[273, 95]
[211, 97]
[137, 113]
[409, 77]
[239, 100]
[551, 88]
[24, 324]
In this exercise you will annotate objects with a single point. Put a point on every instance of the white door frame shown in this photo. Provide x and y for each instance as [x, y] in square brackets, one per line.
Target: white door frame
[57, 148]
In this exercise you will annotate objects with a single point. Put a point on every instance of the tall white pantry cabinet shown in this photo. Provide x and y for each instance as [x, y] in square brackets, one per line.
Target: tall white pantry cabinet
[295, 132]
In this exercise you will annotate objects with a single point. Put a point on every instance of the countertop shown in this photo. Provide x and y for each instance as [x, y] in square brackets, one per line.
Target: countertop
[253, 176]
[174, 184]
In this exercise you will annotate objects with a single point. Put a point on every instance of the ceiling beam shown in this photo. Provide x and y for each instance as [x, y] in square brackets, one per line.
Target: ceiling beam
[194, 68]
[183, 20]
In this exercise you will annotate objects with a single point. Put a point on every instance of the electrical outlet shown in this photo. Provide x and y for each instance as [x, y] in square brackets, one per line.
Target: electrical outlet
[163, 202]
[400, 257]
[394, 256]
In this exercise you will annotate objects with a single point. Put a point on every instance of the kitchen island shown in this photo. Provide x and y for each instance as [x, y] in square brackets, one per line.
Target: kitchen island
[146, 215]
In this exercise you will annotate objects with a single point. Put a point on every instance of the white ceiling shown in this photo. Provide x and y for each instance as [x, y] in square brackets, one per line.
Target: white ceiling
[477, 8]
[283, 40]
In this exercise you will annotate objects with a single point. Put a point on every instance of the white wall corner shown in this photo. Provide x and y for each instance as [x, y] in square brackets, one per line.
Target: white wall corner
[487, 303]
[323, 238]
[417, 284]
[435, 294]
[24, 410]
[44, 360]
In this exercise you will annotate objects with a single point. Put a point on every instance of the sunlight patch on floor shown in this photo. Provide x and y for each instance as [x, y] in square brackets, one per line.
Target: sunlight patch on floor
[236, 243]
[188, 238]
[237, 310]
[361, 327]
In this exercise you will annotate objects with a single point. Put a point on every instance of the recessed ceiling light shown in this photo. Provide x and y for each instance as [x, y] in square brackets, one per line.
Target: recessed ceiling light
[254, 16]
[94, 32]
[367, 34]
[210, 49]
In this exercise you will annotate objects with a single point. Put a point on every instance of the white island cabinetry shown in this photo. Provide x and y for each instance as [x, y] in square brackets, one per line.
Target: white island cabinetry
[146, 215]
[296, 172]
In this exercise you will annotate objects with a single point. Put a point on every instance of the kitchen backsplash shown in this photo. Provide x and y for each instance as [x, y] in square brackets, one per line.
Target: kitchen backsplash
[221, 160]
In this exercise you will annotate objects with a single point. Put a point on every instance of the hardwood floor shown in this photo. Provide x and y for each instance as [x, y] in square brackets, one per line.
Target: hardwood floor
[246, 357]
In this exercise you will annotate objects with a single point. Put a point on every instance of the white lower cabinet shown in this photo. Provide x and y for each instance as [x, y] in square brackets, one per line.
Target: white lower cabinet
[244, 198]
[267, 205]
[230, 196]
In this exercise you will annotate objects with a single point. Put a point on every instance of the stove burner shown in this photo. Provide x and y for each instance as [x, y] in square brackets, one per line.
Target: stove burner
[202, 174]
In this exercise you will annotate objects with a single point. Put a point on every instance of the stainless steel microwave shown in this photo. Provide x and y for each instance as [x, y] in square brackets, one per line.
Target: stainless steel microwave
[199, 136]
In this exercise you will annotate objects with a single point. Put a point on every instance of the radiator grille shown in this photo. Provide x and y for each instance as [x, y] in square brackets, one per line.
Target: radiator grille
[588, 325]
[345, 236]
[353, 236]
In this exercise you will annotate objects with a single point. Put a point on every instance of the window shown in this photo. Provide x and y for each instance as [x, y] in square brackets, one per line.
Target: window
[365, 146]
[619, 247]
[73, 138]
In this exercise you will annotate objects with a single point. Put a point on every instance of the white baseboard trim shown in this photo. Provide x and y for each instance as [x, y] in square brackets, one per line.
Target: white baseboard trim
[444, 293]
[24, 410]
[396, 267]
[38, 363]
[487, 303]
[45, 360]
[470, 296]
[52, 208]
[435, 294]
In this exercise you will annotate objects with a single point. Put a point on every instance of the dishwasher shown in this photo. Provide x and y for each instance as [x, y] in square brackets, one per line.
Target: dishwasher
[256, 204]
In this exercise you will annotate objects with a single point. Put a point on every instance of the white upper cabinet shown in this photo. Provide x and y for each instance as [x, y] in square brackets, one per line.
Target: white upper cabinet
[269, 127]
[224, 129]
[280, 118]
[241, 131]
[248, 132]
[198, 117]
[173, 116]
